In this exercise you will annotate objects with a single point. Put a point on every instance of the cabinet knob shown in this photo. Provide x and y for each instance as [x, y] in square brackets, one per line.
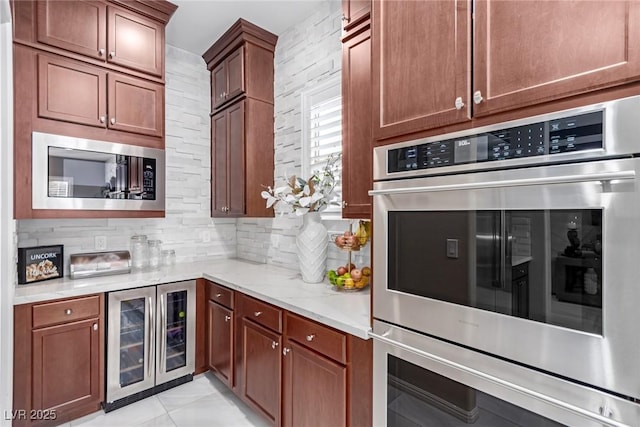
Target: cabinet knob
[113, 120]
[477, 97]
[67, 311]
[95, 326]
[218, 295]
[257, 313]
[101, 52]
[344, 204]
[311, 337]
[103, 119]
[285, 351]
[227, 318]
[274, 345]
[345, 19]
[458, 103]
[112, 54]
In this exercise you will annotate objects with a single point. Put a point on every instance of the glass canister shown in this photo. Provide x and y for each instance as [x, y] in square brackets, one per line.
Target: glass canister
[139, 251]
[168, 258]
[155, 253]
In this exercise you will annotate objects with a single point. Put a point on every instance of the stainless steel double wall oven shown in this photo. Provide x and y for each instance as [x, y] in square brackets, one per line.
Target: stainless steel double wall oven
[507, 267]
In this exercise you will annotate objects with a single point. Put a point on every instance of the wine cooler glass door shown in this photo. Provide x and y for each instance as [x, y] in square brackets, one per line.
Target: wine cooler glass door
[130, 365]
[176, 331]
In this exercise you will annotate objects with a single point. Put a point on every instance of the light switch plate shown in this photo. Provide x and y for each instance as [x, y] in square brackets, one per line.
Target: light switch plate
[100, 243]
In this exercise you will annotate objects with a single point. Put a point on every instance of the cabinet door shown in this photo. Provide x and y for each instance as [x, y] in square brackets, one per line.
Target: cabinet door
[421, 52]
[527, 52]
[79, 27]
[135, 105]
[262, 366]
[66, 365]
[315, 389]
[218, 85]
[357, 175]
[353, 12]
[71, 91]
[220, 352]
[236, 169]
[135, 42]
[219, 164]
[235, 73]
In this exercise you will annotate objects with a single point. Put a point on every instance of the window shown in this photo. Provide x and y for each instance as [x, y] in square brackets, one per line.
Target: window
[322, 133]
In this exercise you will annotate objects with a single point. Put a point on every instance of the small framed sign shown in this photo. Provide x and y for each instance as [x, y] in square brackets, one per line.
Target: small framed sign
[40, 263]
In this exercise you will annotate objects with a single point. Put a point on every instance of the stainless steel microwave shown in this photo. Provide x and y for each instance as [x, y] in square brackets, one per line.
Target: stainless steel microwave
[78, 173]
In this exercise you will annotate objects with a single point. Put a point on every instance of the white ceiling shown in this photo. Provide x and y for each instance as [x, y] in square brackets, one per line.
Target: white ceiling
[198, 23]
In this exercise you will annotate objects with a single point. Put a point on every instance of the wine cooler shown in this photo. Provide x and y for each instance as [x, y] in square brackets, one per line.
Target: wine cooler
[151, 341]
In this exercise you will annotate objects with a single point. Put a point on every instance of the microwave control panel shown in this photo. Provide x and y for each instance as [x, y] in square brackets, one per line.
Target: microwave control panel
[562, 135]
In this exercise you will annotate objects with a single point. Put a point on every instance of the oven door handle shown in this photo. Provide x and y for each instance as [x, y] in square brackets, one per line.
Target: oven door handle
[513, 387]
[565, 179]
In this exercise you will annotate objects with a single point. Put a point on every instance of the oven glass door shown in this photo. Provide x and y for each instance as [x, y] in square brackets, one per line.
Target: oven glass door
[534, 265]
[542, 265]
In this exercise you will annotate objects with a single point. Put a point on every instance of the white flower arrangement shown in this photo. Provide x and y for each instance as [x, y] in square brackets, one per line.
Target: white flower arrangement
[300, 196]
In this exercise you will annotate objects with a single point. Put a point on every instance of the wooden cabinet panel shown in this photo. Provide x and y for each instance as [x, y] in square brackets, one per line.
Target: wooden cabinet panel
[51, 313]
[236, 164]
[74, 26]
[317, 337]
[262, 366]
[220, 359]
[357, 171]
[315, 389]
[420, 59]
[235, 73]
[354, 12]
[262, 313]
[71, 91]
[135, 42]
[135, 105]
[527, 53]
[219, 164]
[218, 85]
[66, 368]
[221, 295]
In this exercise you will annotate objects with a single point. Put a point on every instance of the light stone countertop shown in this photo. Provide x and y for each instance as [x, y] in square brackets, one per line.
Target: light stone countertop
[345, 311]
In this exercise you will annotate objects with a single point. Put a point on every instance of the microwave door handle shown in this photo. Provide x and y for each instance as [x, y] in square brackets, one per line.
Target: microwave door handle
[565, 179]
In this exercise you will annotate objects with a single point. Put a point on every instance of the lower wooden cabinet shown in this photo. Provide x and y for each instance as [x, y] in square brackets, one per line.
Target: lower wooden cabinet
[220, 352]
[314, 389]
[59, 363]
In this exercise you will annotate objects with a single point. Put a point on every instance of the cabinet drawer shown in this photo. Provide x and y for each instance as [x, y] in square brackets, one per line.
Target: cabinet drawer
[221, 295]
[262, 313]
[65, 311]
[330, 343]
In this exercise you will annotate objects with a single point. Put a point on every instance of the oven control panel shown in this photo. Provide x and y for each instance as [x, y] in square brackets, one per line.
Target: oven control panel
[562, 135]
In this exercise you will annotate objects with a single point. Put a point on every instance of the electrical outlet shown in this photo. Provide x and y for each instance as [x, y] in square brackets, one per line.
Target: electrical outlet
[205, 236]
[100, 243]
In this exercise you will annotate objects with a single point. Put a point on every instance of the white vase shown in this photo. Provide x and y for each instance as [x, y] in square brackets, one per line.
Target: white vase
[312, 243]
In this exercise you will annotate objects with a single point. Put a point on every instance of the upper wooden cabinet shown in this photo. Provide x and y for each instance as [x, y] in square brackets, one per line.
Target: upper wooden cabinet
[420, 57]
[241, 65]
[524, 54]
[241, 62]
[527, 52]
[104, 32]
[357, 173]
[354, 12]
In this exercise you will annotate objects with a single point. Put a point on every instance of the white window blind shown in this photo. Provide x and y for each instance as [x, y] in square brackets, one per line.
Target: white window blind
[322, 127]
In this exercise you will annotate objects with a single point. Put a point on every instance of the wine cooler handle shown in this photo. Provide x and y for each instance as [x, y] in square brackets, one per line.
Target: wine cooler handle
[163, 336]
[151, 343]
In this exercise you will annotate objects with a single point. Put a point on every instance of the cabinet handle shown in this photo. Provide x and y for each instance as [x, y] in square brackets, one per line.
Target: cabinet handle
[101, 52]
[274, 345]
[227, 318]
[67, 311]
[112, 54]
[285, 351]
[113, 120]
[311, 337]
[477, 97]
[95, 326]
[459, 104]
[218, 295]
[257, 313]
[103, 119]
[344, 204]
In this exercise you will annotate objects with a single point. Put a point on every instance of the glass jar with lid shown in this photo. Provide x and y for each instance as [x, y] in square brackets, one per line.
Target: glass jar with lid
[155, 253]
[168, 258]
[139, 251]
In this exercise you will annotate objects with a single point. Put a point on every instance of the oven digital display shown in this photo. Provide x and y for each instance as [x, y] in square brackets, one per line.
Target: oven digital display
[569, 134]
